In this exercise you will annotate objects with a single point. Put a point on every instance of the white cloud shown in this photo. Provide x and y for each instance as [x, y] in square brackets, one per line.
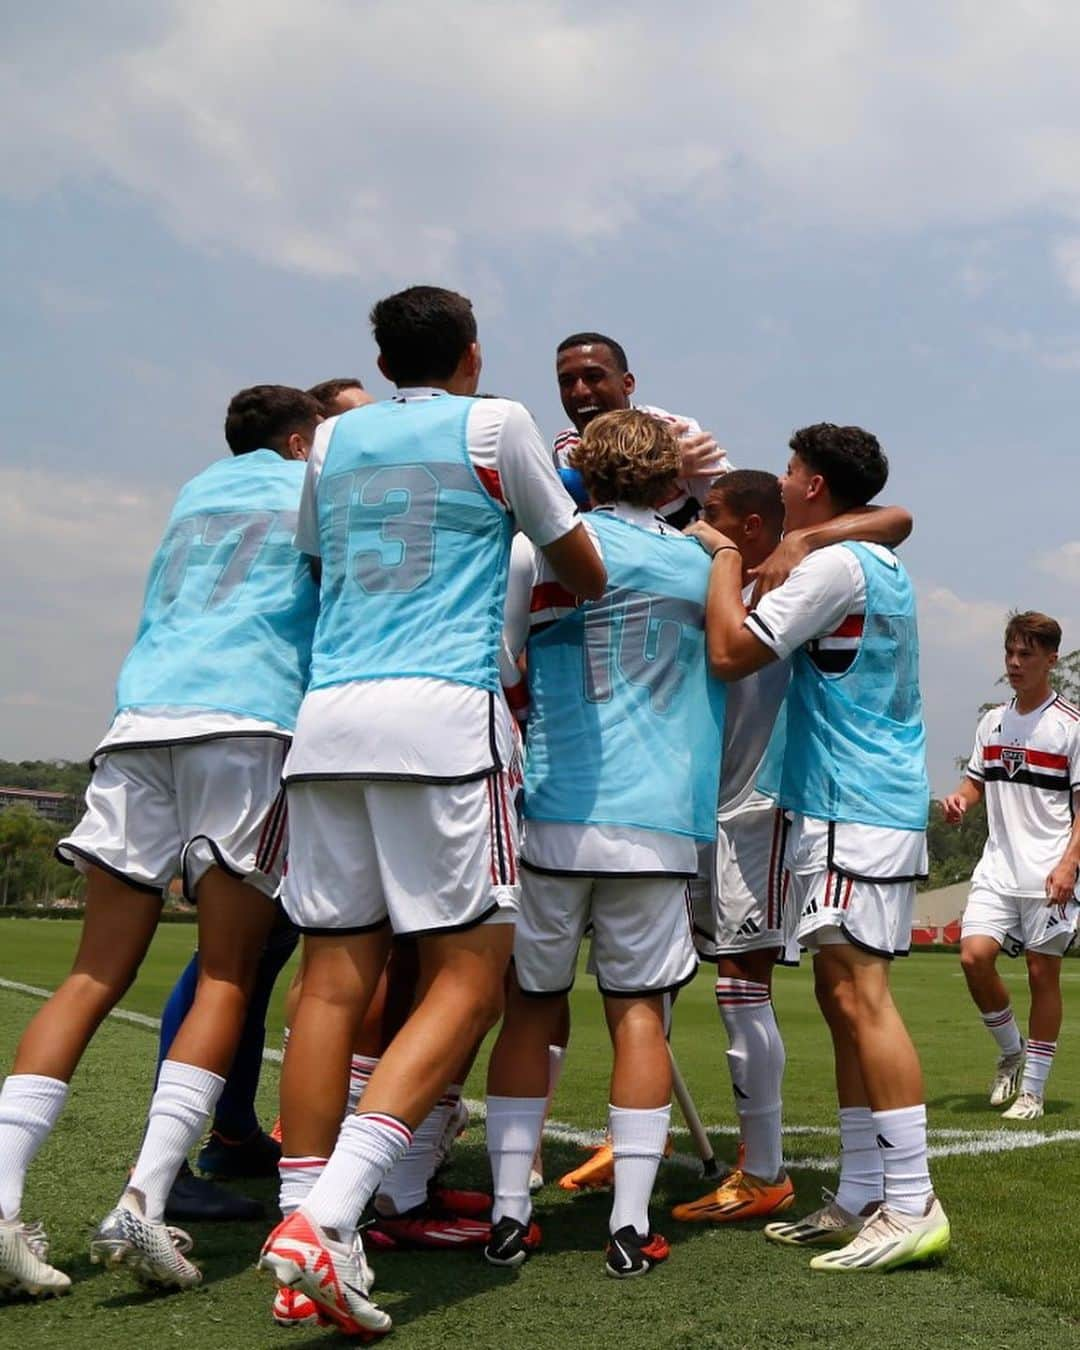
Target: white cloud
[948, 620]
[379, 140]
[1062, 563]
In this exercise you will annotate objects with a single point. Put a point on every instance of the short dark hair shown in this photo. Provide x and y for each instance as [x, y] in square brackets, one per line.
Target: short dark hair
[325, 393]
[266, 415]
[749, 492]
[422, 333]
[850, 460]
[596, 340]
[1037, 630]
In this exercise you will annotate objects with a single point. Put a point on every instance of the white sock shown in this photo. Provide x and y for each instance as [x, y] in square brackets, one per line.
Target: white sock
[1037, 1066]
[556, 1061]
[901, 1137]
[297, 1176]
[862, 1178]
[182, 1103]
[1002, 1026]
[361, 1067]
[29, 1107]
[406, 1185]
[513, 1129]
[756, 1062]
[368, 1146]
[638, 1139]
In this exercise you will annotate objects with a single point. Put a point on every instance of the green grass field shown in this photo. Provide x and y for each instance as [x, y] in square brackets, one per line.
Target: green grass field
[1007, 1281]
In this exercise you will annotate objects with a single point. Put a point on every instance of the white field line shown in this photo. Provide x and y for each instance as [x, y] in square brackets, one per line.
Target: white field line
[944, 1143]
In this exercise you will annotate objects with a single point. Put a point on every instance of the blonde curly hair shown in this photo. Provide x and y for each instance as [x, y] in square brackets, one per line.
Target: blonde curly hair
[628, 456]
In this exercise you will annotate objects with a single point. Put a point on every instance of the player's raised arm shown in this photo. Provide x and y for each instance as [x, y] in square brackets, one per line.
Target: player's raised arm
[888, 525]
[733, 649]
[576, 563]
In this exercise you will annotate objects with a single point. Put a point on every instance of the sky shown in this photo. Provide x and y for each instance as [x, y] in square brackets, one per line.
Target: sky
[848, 210]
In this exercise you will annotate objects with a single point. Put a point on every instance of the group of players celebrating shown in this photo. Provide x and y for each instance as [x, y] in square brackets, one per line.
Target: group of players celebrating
[691, 689]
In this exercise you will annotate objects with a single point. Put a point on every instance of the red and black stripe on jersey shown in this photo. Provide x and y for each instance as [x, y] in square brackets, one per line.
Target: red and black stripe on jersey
[834, 652]
[1025, 766]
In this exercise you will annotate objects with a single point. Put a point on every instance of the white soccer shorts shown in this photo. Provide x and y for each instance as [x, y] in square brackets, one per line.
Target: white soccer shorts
[428, 857]
[1020, 923]
[738, 897]
[154, 812]
[641, 940]
[874, 916]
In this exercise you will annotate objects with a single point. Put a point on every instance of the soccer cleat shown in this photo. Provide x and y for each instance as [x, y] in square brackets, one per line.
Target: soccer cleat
[536, 1171]
[464, 1204]
[256, 1156]
[598, 1170]
[300, 1256]
[1028, 1106]
[829, 1226]
[153, 1252]
[628, 1254]
[195, 1199]
[1007, 1075]
[24, 1267]
[511, 1242]
[427, 1226]
[739, 1197]
[292, 1308]
[889, 1239]
[275, 1131]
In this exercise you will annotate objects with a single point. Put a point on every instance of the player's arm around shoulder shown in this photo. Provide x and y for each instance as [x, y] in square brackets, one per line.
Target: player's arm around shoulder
[733, 649]
[888, 525]
[542, 508]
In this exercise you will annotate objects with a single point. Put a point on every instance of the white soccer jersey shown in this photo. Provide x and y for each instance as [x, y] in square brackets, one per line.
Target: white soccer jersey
[535, 599]
[821, 606]
[425, 728]
[1029, 766]
[752, 706]
[682, 508]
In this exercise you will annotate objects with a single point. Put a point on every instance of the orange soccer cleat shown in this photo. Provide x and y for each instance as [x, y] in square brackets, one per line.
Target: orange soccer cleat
[739, 1197]
[598, 1170]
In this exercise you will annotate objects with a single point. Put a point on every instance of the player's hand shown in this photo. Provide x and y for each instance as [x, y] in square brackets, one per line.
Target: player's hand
[1061, 883]
[955, 808]
[702, 457]
[780, 563]
[709, 538]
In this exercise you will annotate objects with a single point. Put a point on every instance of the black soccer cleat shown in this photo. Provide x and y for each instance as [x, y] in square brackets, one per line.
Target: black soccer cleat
[511, 1242]
[628, 1253]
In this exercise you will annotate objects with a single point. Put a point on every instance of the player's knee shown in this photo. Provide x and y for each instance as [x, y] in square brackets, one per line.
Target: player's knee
[976, 964]
[1043, 972]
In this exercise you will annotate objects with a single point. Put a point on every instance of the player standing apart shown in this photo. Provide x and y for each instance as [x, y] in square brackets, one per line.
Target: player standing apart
[854, 779]
[621, 778]
[188, 780]
[399, 777]
[1026, 762]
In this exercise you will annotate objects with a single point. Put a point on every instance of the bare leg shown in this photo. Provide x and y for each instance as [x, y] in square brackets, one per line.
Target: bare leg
[641, 1075]
[119, 923]
[1044, 981]
[978, 961]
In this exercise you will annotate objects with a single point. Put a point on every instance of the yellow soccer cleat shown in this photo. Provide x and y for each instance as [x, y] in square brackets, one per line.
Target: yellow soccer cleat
[889, 1239]
[598, 1170]
[739, 1197]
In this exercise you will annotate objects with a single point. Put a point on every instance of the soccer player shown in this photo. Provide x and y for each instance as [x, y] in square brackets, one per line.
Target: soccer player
[621, 779]
[399, 778]
[594, 378]
[338, 396]
[1026, 762]
[741, 921]
[187, 779]
[854, 779]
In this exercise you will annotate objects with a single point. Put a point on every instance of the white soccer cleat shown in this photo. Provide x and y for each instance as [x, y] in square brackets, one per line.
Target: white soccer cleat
[1007, 1075]
[536, 1171]
[301, 1256]
[889, 1239]
[23, 1265]
[1028, 1106]
[829, 1226]
[153, 1252]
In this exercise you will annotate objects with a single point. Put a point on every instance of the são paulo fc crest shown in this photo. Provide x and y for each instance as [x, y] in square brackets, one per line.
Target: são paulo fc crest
[1013, 758]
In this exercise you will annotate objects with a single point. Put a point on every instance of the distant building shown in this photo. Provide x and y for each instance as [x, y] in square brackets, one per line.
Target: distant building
[57, 806]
